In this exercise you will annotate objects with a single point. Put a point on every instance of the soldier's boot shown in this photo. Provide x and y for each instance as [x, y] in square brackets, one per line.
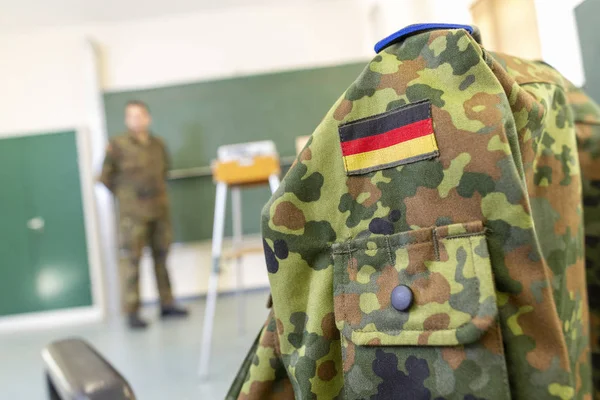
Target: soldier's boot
[172, 311]
[135, 322]
[168, 307]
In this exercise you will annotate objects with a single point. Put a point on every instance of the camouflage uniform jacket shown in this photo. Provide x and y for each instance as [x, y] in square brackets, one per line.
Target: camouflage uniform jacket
[136, 174]
[482, 220]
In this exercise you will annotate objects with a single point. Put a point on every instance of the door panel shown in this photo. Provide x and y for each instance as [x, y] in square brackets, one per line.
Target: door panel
[59, 248]
[17, 292]
[43, 248]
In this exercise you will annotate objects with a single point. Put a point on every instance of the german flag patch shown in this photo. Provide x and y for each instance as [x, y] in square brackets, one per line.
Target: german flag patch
[400, 136]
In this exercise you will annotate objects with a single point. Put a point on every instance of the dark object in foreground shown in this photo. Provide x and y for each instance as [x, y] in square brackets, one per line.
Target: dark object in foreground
[173, 312]
[75, 370]
[135, 322]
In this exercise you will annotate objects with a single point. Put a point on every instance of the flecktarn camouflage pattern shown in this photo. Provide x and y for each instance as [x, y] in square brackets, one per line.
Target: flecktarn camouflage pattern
[484, 224]
[587, 125]
[136, 174]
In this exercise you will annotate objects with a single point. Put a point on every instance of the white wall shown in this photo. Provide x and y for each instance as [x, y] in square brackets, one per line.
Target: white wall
[232, 42]
[41, 78]
[559, 37]
[42, 73]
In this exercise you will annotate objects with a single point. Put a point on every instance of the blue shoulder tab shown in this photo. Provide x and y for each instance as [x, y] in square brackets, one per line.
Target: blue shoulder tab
[416, 28]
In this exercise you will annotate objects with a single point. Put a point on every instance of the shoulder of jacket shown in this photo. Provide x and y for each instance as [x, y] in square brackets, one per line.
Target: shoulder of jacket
[117, 144]
[160, 141]
[585, 109]
[411, 30]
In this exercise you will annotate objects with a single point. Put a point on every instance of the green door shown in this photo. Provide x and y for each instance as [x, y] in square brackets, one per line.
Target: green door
[16, 289]
[50, 269]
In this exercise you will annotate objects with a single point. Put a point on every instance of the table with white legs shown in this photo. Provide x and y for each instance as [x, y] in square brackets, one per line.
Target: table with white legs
[258, 166]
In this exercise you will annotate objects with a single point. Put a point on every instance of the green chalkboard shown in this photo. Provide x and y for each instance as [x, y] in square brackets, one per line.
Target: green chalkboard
[587, 24]
[195, 119]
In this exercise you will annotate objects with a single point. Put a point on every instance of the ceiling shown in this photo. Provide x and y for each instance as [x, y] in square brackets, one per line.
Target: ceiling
[25, 15]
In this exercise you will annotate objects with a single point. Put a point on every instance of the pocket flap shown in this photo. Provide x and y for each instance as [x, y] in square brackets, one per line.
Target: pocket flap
[449, 275]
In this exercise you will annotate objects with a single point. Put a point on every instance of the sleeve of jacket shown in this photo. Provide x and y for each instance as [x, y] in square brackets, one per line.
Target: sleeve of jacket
[262, 375]
[304, 360]
[587, 118]
[167, 158]
[110, 167]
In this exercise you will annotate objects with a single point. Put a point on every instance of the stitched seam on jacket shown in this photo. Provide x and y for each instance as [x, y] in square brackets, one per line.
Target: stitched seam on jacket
[465, 235]
[352, 248]
[346, 280]
[436, 245]
[389, 250]
[400, 246]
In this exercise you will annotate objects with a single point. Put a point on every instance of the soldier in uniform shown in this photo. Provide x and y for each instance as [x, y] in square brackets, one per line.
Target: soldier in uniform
[429, 241]
[135, 171]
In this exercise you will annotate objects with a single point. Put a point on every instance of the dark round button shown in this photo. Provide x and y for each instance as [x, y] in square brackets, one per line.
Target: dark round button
[402, 298]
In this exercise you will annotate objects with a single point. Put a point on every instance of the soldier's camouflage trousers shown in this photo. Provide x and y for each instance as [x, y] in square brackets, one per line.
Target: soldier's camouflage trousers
[135, 235]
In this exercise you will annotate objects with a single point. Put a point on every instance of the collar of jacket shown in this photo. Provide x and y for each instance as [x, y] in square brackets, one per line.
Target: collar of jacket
[135, 140]
[418, 28]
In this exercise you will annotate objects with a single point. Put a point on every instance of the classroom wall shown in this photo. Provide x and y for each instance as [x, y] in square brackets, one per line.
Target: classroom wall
[41, 76]
[42, 72]
[559, 37]
[47, 76]
[233, 42]
[387, 16]
[41, 81]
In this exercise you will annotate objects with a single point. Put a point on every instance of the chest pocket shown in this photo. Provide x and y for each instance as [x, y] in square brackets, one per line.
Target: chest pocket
[132, 160]
[418, 315]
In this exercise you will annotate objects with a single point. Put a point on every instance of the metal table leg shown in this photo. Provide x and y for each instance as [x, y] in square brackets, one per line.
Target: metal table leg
[213, 283]
[236, 203]
[273, 182]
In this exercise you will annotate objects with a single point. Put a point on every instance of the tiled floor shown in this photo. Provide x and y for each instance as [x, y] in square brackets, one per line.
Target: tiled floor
[160, 363]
